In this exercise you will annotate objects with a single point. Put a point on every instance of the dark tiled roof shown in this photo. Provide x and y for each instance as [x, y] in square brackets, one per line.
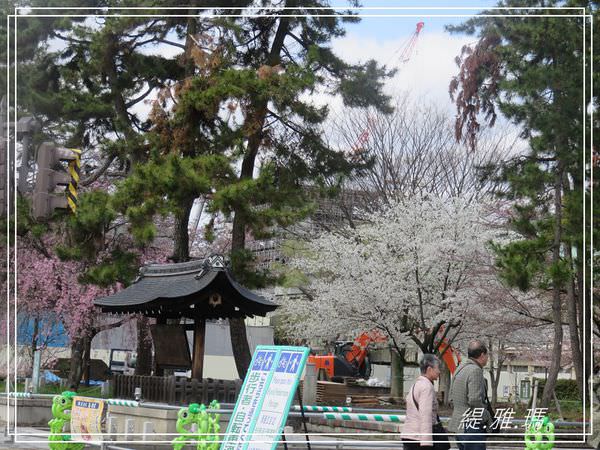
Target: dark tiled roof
[187, 290]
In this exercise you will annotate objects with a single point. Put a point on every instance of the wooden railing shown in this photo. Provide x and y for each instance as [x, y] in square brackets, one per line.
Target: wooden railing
[176, 390]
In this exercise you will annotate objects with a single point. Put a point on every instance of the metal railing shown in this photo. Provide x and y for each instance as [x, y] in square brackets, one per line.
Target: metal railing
[317, 440]
[309, 411]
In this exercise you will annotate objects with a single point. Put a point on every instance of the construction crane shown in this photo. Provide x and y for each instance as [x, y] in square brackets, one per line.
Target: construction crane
[407, 49]
[403, 55]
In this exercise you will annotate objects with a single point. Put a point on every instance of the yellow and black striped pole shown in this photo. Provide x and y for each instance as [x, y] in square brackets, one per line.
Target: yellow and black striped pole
[74, 171]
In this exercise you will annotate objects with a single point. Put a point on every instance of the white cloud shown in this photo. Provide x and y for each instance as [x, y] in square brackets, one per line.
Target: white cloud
[425, 77]
[428, 72]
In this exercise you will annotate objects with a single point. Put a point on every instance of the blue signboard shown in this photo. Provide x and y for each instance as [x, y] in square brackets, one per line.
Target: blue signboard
[265, 399]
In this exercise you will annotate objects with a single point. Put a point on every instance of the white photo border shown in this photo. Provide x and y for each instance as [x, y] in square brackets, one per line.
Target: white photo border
[12, 55]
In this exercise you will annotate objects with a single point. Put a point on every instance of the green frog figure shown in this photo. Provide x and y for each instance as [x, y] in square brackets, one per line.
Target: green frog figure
[61, 411]
[208, 428]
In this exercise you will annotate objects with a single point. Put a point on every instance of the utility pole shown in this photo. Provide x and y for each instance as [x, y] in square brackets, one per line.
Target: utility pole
[4, 188]
[26, 128]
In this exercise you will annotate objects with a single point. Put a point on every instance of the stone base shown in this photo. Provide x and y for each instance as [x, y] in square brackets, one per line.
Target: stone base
[392, 430]
[30, 412]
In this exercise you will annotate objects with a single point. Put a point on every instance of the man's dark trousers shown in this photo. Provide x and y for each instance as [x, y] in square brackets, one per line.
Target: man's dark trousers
[468, 439]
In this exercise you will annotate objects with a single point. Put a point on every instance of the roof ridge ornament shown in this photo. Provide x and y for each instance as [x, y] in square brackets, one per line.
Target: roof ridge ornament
[215, 262]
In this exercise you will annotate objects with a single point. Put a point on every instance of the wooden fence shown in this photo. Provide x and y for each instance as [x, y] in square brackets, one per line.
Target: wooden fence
[176, 390]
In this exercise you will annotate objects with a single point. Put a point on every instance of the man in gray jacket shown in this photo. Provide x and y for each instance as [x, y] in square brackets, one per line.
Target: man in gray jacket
[470, 417]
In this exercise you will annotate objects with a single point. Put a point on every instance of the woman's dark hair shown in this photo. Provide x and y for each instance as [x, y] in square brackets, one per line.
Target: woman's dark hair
[428, 360]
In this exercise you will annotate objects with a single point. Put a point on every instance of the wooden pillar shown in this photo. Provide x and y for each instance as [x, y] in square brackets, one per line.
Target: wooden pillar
[198, 357]
[159, 371]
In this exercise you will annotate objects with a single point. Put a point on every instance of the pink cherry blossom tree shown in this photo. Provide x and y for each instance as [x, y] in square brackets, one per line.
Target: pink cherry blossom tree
[50, 288]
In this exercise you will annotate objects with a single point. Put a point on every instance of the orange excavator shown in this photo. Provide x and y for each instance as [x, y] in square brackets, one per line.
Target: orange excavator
[351, 359]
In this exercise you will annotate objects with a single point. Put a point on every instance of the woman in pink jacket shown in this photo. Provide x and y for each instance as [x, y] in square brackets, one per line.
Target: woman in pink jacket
[422, 406]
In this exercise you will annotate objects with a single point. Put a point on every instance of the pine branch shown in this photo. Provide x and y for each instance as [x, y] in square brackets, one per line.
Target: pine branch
[136, 100]
[286, 123]
[70, 39]
[89, 180]
[174, 44]
[298, 40]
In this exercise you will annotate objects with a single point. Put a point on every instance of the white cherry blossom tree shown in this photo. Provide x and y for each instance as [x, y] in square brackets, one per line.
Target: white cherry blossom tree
[410, 271]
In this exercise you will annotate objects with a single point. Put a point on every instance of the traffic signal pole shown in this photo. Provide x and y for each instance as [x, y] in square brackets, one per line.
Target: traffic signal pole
[26, 128]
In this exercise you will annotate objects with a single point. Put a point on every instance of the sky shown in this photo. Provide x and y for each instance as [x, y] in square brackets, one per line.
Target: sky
[425, 75]
[386, 28]
[428, 72]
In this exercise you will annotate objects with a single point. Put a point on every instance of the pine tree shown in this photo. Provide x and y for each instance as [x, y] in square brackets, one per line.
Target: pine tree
[306, 157]
[82, 89]
[261, 69]
[531, 70]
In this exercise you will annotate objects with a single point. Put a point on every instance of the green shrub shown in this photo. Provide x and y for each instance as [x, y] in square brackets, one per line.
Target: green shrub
[565, 389]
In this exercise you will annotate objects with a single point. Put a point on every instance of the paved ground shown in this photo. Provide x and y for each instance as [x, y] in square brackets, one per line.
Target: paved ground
[28, 436]
[27, 440]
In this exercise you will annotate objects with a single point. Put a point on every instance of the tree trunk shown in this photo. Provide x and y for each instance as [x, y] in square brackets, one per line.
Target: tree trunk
[77, 348]
[584, 312]
[181, 248]
[143, 364]
[496, 361]
[573, 326]
[444, 386]
[240, 346]
[556, 297]
[122, 120]
[237, 327]
[501, 359]
[87, 355]
[34, 340]
[81, 350]
[397, 367]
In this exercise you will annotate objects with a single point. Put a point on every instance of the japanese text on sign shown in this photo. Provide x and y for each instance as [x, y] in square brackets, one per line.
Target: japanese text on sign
[263, 404]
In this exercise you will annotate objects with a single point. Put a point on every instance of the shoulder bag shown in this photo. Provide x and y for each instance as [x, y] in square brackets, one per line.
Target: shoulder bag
[440, 434]
[494, 425]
